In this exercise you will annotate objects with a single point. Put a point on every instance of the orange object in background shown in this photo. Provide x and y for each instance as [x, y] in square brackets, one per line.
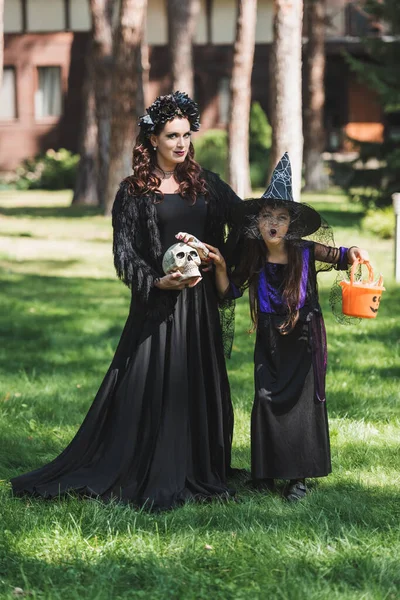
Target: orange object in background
[361, 298]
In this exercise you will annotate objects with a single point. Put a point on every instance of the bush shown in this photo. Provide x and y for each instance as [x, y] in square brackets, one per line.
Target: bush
[212, 148]
[260, 140]
[54, 170]
[375, 174]
[380, 222]
[211, 151]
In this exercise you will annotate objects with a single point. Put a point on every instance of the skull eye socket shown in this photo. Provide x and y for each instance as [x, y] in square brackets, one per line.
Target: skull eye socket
[193, 253]
[180, 255]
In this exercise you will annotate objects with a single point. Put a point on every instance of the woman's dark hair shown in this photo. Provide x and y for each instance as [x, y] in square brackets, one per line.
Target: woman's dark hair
[145, 181]
[254, 254]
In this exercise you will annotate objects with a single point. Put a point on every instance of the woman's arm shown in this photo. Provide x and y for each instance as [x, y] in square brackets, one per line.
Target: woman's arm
[131, 267]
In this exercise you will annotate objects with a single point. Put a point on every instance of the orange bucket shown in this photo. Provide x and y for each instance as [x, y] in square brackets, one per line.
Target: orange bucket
[361, 298]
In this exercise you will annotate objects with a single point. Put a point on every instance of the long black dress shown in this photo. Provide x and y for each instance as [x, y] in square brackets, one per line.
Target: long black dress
[289, 423]
[159, 431]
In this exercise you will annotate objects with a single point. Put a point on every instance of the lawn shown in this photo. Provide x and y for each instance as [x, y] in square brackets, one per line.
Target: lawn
[62, 312]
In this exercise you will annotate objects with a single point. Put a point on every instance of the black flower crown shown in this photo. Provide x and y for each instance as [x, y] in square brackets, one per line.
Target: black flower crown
[166, 108]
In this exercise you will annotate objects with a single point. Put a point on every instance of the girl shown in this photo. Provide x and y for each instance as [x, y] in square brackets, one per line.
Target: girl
[289, 426]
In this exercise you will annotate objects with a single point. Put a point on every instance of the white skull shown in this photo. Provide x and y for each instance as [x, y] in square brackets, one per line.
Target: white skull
[183, 258]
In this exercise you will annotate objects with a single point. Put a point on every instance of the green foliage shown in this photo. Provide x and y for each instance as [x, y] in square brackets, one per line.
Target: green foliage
[375, 175]
[380, 222]
[212, 148]
[54, 170]
[212, 151]
[380, 72]
[259, 145]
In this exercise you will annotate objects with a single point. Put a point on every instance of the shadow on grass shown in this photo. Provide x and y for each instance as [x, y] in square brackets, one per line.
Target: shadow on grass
[197, 575]
[43, 212]
[339, 536]
[53, 316]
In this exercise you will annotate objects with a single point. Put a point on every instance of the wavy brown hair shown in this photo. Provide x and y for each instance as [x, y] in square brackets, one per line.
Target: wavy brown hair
[145, 181]
[254, 255]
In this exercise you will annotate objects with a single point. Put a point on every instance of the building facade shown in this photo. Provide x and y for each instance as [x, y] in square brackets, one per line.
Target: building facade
[44, 68]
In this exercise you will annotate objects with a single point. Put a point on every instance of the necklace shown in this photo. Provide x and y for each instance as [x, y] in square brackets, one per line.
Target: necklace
[165, 173]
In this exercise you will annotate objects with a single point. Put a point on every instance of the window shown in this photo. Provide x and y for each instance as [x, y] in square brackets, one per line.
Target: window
[45, 15]
[8, 107]
[48, 94]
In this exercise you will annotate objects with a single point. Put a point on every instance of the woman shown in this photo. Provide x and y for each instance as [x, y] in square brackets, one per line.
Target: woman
[159, 431]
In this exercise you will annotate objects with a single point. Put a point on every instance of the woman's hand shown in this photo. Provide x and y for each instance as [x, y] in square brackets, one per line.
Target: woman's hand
[174, 281]
[354, 253]
[192, 241]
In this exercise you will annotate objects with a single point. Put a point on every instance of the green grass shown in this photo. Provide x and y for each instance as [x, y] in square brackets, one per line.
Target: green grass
[62, 311]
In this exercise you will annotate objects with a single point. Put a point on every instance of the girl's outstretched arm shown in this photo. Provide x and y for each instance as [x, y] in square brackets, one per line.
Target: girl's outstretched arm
[341, 257]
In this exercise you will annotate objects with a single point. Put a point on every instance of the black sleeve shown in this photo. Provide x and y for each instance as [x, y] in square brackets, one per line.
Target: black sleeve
[131, 267]
[224, 194]
[327, 254]
[231, 199]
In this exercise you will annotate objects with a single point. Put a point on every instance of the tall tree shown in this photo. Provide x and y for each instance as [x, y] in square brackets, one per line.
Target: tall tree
[182, 15]
[143, 73]
[285, 87]
[1, 40]
[102, 15]
[92, 173]
[86, 190]
[239, 117]
[314, 134]
[126, 89]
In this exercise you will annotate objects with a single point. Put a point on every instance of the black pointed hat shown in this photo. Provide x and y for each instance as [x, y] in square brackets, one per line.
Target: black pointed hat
[304, 219]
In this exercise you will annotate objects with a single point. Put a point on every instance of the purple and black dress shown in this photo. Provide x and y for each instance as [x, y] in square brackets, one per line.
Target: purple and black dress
[289, 422]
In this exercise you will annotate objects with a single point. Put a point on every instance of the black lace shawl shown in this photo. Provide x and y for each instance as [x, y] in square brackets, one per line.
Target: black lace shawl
[137, 246]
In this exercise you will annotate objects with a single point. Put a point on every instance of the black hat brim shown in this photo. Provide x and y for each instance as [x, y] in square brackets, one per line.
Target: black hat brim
[305, 219]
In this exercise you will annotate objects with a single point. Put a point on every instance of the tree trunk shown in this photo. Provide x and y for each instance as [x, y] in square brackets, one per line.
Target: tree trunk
[182, 16]
[143, 73]
[126, 89]
[239, 117]
[102, 14]
[285, 88]
[314, 135]
[85, 191]
[1, 40]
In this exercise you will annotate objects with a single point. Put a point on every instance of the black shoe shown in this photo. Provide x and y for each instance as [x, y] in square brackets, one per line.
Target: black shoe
[296, 490]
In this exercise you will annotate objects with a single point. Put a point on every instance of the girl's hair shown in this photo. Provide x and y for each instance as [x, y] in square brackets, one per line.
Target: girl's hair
[144, 181]
[253, 259]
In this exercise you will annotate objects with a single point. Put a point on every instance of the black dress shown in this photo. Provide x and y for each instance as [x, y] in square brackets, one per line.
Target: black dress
[159, 431]
[289, 423]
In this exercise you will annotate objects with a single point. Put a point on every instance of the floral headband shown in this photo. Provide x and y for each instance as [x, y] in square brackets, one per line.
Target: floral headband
[166, 108]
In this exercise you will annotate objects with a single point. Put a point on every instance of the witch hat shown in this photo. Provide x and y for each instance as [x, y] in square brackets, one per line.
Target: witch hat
[304, 220]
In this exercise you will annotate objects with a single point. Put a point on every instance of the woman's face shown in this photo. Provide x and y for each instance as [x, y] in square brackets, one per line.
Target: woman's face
[273, 224]
[172, 143]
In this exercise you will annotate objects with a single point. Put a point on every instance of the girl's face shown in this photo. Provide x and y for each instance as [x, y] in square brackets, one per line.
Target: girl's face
[273, 224]
[172, 143]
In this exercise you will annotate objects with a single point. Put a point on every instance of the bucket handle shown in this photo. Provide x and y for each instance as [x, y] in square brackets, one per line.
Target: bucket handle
[354, 267]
